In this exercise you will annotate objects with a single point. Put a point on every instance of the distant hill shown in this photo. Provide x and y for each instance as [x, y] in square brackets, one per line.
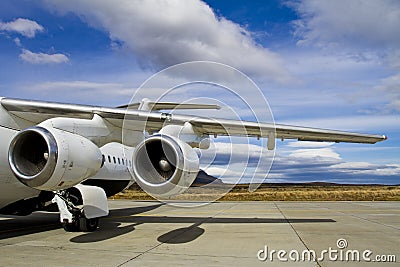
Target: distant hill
[312, 184]
[204, 178]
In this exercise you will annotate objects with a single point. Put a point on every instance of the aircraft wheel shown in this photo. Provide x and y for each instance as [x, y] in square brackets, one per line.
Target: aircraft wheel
[88, 225]
[71, 227]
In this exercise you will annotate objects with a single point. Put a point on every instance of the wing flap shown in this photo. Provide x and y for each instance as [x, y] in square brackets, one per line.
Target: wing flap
[148, 105]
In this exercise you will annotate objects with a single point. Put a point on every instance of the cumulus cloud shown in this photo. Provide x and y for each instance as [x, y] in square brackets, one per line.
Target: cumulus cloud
[364, 168]
[391, 87]
[317, 154]
[298, 165]
[17, 41]
[25, 27]
[83, 88]
[303, 144]
[42, 58]
[350, 46]
[360, 24]
[360, 123]
[237, 162]
[327, 165]
[163, 33]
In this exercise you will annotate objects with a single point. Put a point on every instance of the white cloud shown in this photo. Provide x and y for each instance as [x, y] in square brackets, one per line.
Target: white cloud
[164, 33]
[394, 60]
[349, 51]
[391, 87]
[17, 41]
[25, 27]
[297, 165]
[83, 88]
[358, 24]
[364, 168]
[233, 162]
[318, 154]
[370, 123]
[42, 58]
[353, 165]
[303, 144]
[326, 164]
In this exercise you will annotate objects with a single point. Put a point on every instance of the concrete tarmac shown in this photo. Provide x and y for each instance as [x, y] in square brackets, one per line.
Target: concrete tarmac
[149, 233]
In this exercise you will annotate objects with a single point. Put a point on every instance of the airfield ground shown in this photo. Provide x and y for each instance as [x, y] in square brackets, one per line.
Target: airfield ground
[149, 233]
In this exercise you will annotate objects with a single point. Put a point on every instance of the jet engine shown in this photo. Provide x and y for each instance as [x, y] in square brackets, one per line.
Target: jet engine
[164, 165]
[50, 159]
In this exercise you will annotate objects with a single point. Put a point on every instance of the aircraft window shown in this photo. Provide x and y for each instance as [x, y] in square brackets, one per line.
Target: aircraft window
[115, 162]
[109, 158]
[103, 159]
[130, 163]
[119, 161]
[123, 162]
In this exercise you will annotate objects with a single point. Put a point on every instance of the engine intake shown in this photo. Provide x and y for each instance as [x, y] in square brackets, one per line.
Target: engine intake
[164, 166]
[33, 156]
[52, 159]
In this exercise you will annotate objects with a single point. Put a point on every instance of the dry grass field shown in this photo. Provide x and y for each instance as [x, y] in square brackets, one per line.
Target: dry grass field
[288, 192]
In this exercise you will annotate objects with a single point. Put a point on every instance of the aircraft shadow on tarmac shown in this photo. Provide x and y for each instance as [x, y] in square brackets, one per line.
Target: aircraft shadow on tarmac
[37, 222]
[15, 226]
[110, 227]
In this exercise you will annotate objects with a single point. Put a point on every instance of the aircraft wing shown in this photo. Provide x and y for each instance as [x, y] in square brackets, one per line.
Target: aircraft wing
[222, 127]
[37, 111]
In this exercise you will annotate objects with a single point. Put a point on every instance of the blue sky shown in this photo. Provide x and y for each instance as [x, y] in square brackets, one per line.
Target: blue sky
[325, 64]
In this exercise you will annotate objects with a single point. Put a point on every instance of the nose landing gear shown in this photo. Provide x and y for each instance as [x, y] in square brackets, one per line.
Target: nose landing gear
[81, 224]
[72, 215]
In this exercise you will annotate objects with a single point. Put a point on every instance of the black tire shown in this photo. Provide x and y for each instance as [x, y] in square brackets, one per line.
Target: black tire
[88, 225]
[71, 227]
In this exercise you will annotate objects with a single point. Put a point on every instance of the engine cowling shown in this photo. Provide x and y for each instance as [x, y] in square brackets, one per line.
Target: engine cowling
[164, 166]
[50, 159]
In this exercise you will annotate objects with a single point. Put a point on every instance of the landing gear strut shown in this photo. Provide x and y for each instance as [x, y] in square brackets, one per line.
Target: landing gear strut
[72, 215]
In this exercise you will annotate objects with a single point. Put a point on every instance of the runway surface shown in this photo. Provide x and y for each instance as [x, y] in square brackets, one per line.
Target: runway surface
[147, 233]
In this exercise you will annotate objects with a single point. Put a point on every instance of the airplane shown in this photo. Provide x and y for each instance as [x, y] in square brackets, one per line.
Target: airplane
[69, 158]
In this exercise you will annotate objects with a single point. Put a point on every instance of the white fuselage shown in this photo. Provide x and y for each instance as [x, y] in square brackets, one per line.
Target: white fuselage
[12, 190]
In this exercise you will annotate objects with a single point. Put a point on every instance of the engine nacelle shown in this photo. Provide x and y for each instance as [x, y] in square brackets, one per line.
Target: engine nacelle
[50, 159]
[164, 166]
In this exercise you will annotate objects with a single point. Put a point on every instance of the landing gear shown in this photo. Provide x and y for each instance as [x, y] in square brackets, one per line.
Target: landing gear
[88, 225]
[81, 224]
[72, 214]
[80, 207]
[71, 227]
